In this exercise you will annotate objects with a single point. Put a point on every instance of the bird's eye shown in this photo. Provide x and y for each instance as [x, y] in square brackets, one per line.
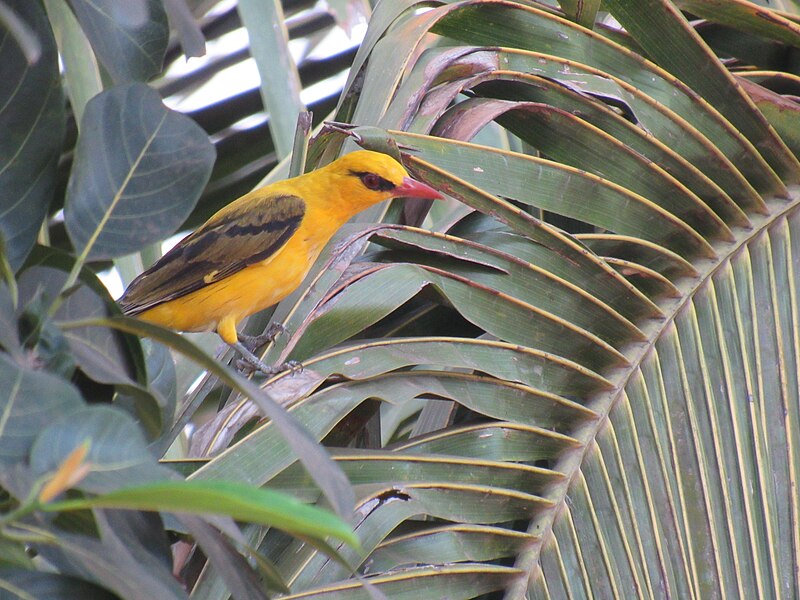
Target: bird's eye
[371, 181]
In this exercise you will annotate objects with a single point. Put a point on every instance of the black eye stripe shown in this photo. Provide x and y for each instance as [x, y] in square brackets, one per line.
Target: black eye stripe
[384, 185]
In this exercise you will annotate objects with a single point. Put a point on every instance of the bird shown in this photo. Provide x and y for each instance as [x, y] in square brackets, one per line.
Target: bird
[257, 250]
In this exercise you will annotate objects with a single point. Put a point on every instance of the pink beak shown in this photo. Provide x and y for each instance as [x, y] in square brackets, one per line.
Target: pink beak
[411, 188]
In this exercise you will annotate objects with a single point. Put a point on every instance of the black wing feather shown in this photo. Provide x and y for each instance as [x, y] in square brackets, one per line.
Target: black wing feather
[215, 251]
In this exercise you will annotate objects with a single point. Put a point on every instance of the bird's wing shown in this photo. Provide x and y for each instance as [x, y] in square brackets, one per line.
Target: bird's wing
[240, 237]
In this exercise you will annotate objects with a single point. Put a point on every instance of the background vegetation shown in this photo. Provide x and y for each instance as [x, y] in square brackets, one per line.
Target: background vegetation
[577, 378]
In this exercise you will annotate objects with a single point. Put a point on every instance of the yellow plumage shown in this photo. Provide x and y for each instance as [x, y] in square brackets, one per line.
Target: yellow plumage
[257, 250]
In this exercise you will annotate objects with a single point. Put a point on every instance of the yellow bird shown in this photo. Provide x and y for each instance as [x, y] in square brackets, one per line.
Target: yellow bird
[257, 250]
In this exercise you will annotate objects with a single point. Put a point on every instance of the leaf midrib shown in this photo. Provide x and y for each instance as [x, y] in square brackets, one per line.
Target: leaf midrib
[604, 403]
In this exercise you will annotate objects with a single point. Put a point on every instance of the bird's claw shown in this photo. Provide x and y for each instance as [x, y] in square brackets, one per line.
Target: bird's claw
[294, 366]
[245, 367]
[274, 330]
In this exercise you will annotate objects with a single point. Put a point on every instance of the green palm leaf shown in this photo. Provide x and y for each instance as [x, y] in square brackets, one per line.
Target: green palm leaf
[608, 414]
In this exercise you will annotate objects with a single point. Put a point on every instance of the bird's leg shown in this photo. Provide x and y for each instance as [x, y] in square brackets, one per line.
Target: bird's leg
[226, 328]
[256, 364]
[251, 342]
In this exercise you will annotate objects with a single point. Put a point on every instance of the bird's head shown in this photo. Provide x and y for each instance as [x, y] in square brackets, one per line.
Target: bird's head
[367, 178]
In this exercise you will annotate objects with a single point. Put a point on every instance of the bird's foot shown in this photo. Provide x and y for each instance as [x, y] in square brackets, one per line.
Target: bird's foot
[250, 363]
[293, 366]
[252, 342]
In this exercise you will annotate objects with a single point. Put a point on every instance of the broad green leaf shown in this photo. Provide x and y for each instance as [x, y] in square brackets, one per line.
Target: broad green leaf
[81, 71]
[9, 328]
[43, 341]
[30, 400]
[21, 32]
[51, 258]
[331, 480]
[101, 354]
[156, 409]
[129, 38]
[38, 584]
[32, 122]
[135, 160]
[143, 536]
[161, 376]
[188, 30]
[126, 551]
[118, 453]
[124, 568]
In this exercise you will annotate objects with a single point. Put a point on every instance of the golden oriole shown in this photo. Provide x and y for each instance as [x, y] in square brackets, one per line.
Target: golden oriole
[257, 250]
